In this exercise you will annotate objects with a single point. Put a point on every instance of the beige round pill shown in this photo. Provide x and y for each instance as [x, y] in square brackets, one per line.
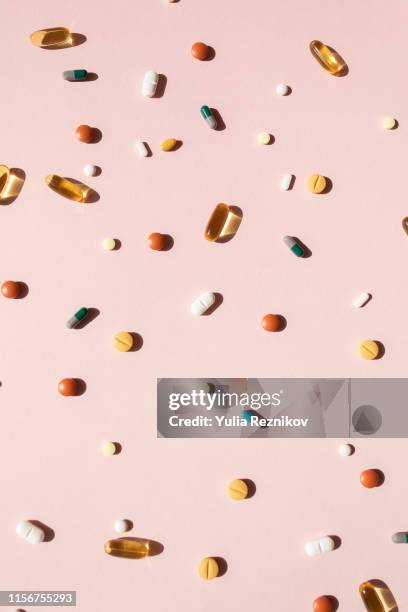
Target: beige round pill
[123, 341]
[264, 138]
[238, 489]
[369, 349]
[208, 568]
[108, 244]
[109, 449]
[316, 183]
[389, 123]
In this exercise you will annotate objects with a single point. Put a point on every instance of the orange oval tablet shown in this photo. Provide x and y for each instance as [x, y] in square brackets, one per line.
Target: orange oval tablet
[10, 289]
[271, 322]
[323, 604]
[200, 51]
[68, 387]
[85, 133]
[157, 241]
[371, 478]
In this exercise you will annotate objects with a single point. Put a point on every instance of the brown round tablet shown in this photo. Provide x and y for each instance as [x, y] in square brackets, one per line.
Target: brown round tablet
[85, 133]
[200, 51]
[11, 289]
[157, 241]
[371, 478]
[272, 322]
[323, 604]
[68, 386]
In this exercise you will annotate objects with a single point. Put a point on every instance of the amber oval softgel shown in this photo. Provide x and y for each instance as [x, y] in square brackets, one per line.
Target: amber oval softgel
[223, 223]
[52, 37]
[128, 548]
[66, 188]
[328, 58]
[4, 178]
[377, 597]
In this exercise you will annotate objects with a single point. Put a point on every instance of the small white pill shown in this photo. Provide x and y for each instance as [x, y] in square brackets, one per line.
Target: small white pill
[389, 123]
[282, 89]
[150, 82]
[91, 170]
[141, 148]
[345, 450]
[109, 244]
[361, 300]
[30, 532]
[287, 182]
[316, 547]
[109, 449]
[264, 138]
[203, 303]
[123, 525]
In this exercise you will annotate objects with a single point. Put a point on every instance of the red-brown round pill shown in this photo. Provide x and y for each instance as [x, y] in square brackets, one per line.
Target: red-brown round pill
[10, 289]
[323, 604]
[271, 322]
[157, 241]
[68, 386]
[371, 478]
[200, 51]
[85, 133]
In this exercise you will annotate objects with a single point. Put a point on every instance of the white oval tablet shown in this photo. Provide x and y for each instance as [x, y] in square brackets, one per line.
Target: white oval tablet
[282, 89]
[345, 450]
[30, 532]
[123, 525]
[141, 148]
[150, 82]
[317, 547]
[91, 170]
[287, 182]
[203, 303]
[361, 300]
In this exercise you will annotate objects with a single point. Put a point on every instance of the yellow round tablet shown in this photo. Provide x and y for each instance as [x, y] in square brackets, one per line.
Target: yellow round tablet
[208, 568]
[168, 144]
[369, 349]
[316, 183]
[109, 449]
[123, 341]
[389, 123]
[238, 489]
[264, 138]
[108, 244]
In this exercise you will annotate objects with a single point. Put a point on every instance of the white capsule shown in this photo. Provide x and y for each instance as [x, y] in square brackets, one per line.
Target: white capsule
[287, 182]
[141, 148]
[150, 82]
[203, 303]
[345, 450]
[361, 300]
[30, 532]
[123, 525]
[282, 89]
[91, 170]
[317, 547]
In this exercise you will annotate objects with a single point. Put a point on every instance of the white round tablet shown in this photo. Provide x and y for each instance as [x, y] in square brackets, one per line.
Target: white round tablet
[123, 525]
[91, 170]
[283, 90]
[264, 138]
[109, 244]
[345, 450]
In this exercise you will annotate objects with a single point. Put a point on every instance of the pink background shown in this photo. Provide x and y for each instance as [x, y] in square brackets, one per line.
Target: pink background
[175, 490]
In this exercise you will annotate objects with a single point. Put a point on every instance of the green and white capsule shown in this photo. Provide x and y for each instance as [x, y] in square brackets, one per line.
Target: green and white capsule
[78, 316]
[401, 537]
[294, 246]
[208, 116]
[75, 75]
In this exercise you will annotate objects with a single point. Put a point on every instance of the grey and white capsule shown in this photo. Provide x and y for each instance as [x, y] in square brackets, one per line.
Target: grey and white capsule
[79, 74]
[401, 537]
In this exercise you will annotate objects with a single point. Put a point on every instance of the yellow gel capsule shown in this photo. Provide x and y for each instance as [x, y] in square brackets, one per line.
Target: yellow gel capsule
[328, 58]
[127, 548]
[238, 489]
[4, 177]
[51, 37]
[377, 597]
[168, 144]
[73, 191]
[208, 568]
[223, 223]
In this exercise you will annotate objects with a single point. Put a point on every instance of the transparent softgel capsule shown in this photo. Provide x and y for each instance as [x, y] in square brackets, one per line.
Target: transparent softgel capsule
[328, 58]
[128, 548]
[223, 223]
[52, 37]
[66, 188]
[377, 597]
